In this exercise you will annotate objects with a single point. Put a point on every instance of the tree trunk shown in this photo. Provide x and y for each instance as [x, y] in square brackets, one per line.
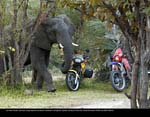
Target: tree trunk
[144, 66]
[143, 78]
[15, 72]
[25, 47]
[4, 61]
[126, 47]
[143, 84]
[135, 76]
[17, 65]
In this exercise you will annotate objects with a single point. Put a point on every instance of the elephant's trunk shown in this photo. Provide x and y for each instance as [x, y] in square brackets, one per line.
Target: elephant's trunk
[65, 41]
[67, 58]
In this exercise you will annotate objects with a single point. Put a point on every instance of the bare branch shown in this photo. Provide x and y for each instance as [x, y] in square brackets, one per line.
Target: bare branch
[127, 95]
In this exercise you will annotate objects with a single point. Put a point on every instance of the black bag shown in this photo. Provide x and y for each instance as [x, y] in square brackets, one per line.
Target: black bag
[88, 73]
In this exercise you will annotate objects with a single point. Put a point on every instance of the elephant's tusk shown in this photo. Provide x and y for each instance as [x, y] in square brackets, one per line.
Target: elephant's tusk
[61, 46]
[74, 44]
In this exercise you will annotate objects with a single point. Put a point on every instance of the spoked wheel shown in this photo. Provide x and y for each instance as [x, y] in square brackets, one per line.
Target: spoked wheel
[118, 82]
[72, 81]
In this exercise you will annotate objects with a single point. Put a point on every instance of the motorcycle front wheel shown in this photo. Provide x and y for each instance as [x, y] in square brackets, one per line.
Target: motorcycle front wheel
[118, 82]
[72, 81]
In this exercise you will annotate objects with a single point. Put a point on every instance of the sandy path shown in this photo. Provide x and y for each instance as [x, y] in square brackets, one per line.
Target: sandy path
[119, 104]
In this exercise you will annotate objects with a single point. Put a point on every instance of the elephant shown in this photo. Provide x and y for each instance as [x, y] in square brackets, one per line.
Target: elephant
[1, 65]
[59, 30]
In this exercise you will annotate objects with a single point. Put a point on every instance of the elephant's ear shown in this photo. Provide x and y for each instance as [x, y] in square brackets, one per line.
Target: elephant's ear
[45, 22]
[40, 38]
[71, 26]
[71, 29]
[49, 22]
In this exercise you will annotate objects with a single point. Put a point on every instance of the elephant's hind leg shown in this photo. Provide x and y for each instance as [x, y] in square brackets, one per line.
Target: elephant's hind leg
[34, 76]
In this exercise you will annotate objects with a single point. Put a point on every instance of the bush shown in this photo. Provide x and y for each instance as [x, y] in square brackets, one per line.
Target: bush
[103, 74]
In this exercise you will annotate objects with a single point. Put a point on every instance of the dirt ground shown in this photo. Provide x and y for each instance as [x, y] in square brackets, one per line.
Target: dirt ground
[70, 100]
[107, 104]
[82, 99]
[86, 104]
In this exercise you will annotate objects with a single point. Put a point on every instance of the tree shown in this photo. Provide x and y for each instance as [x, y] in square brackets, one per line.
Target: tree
[19, 35]
[18, 39]
[132, 18]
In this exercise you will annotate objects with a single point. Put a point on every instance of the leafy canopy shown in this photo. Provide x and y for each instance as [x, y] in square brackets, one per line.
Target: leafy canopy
[120, 12]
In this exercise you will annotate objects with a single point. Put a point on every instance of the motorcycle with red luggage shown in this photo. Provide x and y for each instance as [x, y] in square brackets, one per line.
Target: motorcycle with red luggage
[119, 71]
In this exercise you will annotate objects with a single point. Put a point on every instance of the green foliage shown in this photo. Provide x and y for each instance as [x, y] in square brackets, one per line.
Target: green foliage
[73, 14]
[92, 36]
[93, 83]
[111, 11]
[147, 10]
[11, 90]
[95, 27]
[33, 8]
[56, 57]
[5, 12]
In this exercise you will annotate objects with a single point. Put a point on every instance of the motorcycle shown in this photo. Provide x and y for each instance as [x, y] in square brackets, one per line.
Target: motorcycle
[77, 72]
[119, 73]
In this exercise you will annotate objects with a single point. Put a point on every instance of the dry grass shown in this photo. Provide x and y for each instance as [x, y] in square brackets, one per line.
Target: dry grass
[90, 95]
[62, 100]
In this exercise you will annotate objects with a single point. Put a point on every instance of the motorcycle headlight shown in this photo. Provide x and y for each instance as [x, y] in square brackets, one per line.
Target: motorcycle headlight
[77, 60]
[117, 58]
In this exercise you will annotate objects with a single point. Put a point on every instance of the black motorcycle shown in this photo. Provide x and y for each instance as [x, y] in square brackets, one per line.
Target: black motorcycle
[76, 73]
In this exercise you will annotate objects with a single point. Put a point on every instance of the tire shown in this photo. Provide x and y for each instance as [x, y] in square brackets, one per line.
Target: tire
[70, 81]
[117, 82]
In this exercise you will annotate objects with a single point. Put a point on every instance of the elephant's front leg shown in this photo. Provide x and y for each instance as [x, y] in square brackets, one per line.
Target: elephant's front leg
[49, 87]
[44, 73]
[39, 59]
